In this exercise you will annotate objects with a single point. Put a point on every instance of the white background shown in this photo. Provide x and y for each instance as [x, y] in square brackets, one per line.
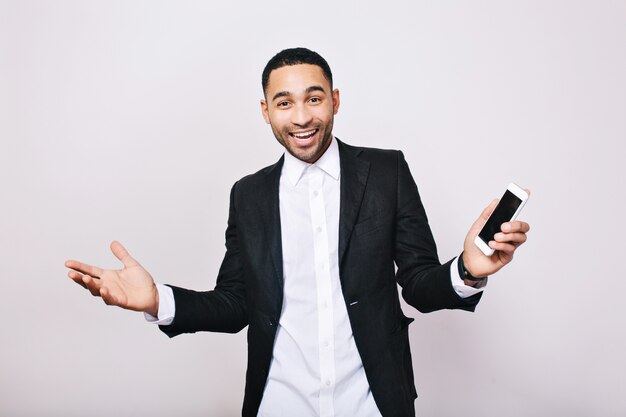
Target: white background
[131, 120]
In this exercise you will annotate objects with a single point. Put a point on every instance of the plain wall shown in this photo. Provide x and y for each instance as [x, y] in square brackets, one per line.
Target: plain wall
[131, 120]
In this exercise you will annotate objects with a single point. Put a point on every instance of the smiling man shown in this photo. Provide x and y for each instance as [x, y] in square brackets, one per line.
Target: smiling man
[300, 105]
[312, 247]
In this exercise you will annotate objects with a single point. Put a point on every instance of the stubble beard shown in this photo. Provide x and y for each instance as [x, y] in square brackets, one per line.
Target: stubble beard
[308, 156]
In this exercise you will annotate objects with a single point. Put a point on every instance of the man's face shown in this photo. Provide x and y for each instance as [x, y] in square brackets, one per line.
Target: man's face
[300, 107]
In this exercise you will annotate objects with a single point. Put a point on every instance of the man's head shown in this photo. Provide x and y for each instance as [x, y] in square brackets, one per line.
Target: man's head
[295, 56]
[300, 102]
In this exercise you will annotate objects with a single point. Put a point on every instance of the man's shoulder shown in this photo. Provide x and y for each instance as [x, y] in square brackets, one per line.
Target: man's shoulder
[370, 154]
[262, 177]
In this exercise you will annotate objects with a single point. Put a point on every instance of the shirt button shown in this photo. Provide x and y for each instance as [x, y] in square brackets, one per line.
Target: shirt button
[328, 383]
[319, 229]
[315, 193]
[326, 343]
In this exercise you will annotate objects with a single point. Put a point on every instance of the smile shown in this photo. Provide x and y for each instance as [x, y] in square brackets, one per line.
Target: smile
[303, 135]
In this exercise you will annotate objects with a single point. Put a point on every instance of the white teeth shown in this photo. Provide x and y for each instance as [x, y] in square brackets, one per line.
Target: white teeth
[304, 135]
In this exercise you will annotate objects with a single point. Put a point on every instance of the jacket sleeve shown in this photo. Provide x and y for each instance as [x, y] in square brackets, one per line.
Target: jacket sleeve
[426, 284]
[222, 309]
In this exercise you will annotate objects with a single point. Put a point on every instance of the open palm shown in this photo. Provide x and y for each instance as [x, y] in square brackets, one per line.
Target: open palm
[131, 288]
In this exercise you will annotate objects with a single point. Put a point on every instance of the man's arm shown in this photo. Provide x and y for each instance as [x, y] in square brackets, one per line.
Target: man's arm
[132, 288]
[426, 284]
[222, 309]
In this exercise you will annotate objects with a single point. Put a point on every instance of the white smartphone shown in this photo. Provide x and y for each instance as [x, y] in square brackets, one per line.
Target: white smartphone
[507, 209]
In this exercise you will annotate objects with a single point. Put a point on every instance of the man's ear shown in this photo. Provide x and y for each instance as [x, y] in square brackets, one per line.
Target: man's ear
[335, 101]
[266, 116]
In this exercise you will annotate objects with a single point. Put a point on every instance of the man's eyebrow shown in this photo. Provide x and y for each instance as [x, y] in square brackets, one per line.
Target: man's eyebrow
[309, 90]
[315, 88]
[281, 94]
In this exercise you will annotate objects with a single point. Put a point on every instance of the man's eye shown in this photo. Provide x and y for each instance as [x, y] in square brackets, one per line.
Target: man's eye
[283, 104]
[315, 100]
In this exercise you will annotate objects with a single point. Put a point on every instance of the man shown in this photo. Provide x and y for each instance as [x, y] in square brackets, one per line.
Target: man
[311, 245]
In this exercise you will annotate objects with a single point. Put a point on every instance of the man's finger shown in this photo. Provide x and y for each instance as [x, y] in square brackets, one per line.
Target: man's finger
[77, 278]
[514, 238]
[478, 224]
[515, 226]
[107, 297]
[489, 209]
[121, 253]
[92, 284]
[507, 248]
[91, 270]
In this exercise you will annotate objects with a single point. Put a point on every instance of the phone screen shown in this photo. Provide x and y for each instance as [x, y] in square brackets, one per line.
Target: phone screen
[503, 212]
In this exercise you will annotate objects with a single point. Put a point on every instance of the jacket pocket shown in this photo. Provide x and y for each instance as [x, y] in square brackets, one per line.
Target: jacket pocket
[370, 225]
[402, 352]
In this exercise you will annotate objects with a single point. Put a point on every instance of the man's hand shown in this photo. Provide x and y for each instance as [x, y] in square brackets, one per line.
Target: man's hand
[131, 288]
[512, 235]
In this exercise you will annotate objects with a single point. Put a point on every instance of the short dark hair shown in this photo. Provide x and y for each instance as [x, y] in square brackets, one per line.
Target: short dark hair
[295, 56]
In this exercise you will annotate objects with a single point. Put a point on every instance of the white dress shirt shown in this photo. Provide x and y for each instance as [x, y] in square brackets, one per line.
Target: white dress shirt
[316, 369]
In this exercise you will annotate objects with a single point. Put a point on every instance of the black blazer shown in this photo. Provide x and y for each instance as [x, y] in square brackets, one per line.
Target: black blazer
[382, 222]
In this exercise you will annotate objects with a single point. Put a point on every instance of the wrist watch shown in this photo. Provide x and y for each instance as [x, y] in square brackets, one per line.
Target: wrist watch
[464, 273]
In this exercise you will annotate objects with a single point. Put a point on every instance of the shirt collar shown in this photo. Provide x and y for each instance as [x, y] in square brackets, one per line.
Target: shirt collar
[293, 168]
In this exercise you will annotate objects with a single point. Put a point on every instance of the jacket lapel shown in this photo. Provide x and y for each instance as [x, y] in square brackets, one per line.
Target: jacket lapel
[269, 213]
[354, 172]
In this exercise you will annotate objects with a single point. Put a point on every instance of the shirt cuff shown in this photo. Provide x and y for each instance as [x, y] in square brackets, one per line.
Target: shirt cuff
[464, 291]
[167, 307]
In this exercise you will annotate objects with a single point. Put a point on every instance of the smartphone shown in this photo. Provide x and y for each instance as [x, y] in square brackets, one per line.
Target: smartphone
[507, 209]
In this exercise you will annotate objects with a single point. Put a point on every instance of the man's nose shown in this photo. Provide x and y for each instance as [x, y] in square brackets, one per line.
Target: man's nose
[301, 116]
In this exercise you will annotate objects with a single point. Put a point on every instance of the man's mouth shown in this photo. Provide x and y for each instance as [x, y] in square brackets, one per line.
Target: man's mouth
[307, 134]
